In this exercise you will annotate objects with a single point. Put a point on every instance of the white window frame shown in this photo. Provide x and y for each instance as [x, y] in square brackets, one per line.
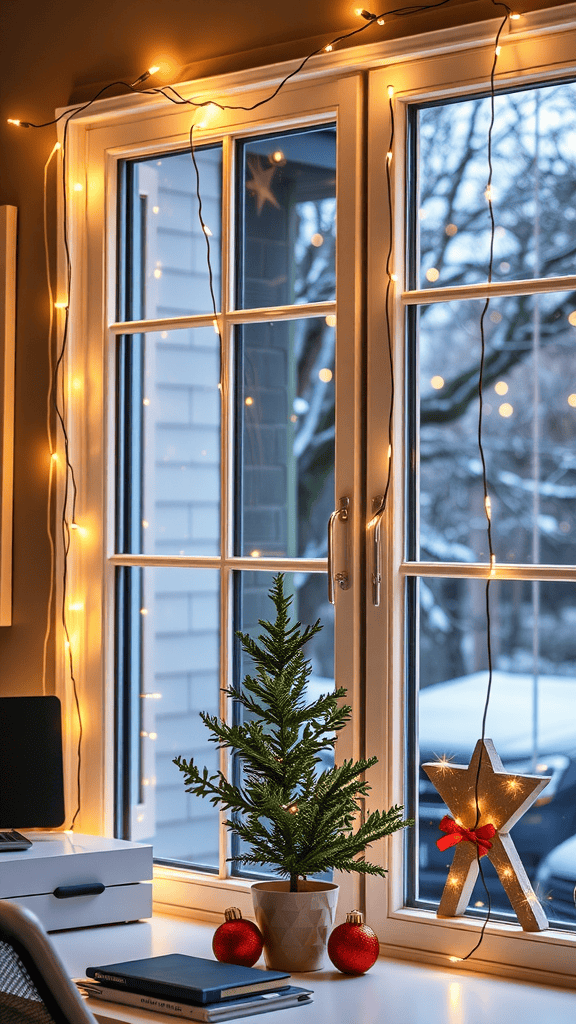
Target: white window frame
[437, 64]
[95, 146]
[416, 933]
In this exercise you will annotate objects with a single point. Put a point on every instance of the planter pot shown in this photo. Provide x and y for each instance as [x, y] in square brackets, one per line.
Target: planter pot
[295, 925]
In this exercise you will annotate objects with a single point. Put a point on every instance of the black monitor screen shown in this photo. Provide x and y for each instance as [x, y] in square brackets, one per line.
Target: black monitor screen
[31, 775]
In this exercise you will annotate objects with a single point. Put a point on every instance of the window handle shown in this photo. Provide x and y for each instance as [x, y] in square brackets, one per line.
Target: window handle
[341, 578]
[375, 524]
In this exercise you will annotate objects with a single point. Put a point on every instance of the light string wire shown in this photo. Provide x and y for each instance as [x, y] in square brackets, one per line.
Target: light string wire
[390, 277]
[487, 503]
[57, 383]
[49, 433]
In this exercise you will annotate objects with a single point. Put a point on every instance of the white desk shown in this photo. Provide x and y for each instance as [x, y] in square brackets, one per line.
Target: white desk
[391, 993]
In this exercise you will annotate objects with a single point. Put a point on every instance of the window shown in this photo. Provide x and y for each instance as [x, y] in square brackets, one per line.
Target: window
[219, 466]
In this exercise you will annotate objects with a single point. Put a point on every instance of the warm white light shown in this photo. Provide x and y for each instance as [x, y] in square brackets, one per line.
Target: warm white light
[155, 209]
[54, 457]
[572, 318]
[77, 607]
[451, 230]
[488, 506]
[515, 17]
[277, 157]
[145, 524]
[432, 274]
[145, 401]
[501, 388]
[506, 410]
[489, 194]
[151, 696]
[331, 320]
[157, 273]
[389, 156]
[455, 959]
[249, 400]
[325, 374]
[77, 186]
[317, 240]
[390, 91]
[572, 400]
[380, 21]
[60, 305]
[329, 48]
[143, 611]
[215, 326]
[437, 382]
[207, 231]
[255, 553]
[154, 69]
[393, 277]
[498, 51]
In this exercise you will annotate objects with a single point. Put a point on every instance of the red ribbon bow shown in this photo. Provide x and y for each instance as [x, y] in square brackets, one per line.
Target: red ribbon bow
[458, 834]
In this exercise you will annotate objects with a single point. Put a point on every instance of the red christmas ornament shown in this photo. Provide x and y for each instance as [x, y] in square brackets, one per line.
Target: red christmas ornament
[353, 947]
[237, 941]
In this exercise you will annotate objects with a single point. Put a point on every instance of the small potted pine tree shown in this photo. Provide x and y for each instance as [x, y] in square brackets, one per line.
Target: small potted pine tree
[293, 818]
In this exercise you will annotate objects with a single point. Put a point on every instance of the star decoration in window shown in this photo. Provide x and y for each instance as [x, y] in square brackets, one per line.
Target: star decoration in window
[502, 800]
[259, 185]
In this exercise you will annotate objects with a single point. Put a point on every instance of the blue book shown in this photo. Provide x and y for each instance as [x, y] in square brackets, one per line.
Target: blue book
[191, 979]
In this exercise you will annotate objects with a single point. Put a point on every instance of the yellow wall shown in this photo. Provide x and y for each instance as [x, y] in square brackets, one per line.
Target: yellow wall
[54, 52]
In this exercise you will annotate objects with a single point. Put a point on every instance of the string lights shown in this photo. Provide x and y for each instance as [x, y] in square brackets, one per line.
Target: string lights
[56, 395]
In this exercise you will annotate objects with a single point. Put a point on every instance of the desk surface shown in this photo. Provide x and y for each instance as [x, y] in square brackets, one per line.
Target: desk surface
[391, 993]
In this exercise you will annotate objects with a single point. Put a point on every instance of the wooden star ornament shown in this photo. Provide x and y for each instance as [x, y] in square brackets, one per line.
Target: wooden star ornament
[502, 799]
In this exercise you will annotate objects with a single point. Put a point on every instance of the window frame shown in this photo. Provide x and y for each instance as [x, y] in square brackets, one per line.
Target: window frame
[98, 144]
[418, 933]
[421, 68]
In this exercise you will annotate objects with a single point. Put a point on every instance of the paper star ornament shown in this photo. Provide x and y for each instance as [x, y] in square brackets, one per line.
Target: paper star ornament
[503, 799]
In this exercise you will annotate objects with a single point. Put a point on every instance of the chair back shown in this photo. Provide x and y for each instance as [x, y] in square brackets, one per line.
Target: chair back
[34, 985]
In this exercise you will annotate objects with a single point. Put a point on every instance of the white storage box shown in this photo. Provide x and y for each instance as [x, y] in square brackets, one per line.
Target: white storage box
[72, 881]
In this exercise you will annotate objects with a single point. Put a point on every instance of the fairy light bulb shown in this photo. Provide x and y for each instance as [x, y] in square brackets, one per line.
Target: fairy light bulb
[498, 51]
[329, 48]
[390, 91]
[19, 124]
[514, 16]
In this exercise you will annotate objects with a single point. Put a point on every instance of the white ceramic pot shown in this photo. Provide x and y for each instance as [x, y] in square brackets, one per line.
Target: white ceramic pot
[295, 925]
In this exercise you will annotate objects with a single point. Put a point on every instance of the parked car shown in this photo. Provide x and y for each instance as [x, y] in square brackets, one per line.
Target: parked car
[534, 729]
[556, 882]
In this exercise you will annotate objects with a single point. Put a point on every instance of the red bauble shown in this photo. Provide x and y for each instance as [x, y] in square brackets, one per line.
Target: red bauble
[353, 947]
[237, 941]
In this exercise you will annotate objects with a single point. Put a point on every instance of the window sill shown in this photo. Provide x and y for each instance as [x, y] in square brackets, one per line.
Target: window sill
[392, 990]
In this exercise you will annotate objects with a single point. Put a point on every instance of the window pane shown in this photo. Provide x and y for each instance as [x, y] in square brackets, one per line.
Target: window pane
[287, 437]
[288, 211]
[309, 603]
[177, 649]
[169, 462]
[531, 719]
[529, 430]
[166, 271]
[534, 187]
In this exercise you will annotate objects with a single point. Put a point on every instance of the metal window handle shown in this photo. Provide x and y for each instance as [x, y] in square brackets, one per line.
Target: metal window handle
[341, 578]
[378, 506]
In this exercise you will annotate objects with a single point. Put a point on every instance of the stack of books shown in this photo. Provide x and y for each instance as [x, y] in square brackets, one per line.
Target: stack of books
[192, 987]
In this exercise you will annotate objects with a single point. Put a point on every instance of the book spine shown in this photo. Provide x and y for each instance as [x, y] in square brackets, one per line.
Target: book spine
[158, 990]
[128, 998]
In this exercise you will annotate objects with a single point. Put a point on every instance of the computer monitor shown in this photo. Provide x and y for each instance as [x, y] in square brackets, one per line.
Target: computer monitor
[31, 772]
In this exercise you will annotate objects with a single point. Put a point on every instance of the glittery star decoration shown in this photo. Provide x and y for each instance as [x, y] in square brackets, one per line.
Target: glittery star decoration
[260, 183]
[502, 799]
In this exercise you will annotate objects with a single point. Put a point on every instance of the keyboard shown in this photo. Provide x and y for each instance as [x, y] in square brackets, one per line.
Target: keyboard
[12, 840]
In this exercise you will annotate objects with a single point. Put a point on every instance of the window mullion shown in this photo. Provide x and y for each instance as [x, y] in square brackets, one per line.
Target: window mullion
[482, 290]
